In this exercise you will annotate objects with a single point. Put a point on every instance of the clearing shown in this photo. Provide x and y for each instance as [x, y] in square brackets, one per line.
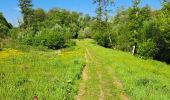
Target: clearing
[84, 72]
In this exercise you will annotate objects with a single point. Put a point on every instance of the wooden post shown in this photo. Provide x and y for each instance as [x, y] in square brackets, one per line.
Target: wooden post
[110, 40]
[133, 50]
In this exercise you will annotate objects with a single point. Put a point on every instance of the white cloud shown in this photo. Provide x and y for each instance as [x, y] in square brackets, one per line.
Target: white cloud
[17, 9]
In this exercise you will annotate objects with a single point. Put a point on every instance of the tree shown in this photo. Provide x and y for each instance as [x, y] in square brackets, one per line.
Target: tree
[99, 9]
[3, 30]
[4, 21]
[39, 15]
[163, 41]
[106, 4]
[102, 24]
[26, 10]
[134, 24]
[102, 9]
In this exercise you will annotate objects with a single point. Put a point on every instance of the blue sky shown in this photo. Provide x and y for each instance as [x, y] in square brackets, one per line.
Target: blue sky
[11, 11]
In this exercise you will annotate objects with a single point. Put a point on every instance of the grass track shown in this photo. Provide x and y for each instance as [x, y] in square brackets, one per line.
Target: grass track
[108, 75]
[115, 75]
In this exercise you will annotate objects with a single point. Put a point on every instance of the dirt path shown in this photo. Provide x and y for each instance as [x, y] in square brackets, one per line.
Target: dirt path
[98, 80]
[91, 58]
[81, 91]
[118, 85]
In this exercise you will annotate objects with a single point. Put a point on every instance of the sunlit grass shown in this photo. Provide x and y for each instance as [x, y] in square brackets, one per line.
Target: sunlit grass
[47, 75]
[56, 74]
[141, 79]
[6, 52]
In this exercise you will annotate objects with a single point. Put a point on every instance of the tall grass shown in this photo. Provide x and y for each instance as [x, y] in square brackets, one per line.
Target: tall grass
[47, 75]
[141, 79]
[56, 74]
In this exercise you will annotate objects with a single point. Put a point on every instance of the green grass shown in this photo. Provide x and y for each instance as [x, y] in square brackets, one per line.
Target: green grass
[141, 79]
[54, 75]
[48, 75]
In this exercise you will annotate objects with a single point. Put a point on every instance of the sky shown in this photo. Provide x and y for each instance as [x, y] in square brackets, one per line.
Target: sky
[12, 13]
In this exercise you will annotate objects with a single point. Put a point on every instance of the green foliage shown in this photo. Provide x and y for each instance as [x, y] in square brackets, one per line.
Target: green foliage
[86, 33]
[54, 38]
[14, 33]
[70, 43]
[39, 15]
[4, 26]
[27, 12]
[1, 45]
[143, 27]
[3, 30]
[147, 49]
[81, 35]
[4, 21]
[105, 39]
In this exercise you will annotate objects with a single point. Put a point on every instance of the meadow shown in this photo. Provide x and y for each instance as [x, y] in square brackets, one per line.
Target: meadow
[61, 51]
[86, 71]
[47, 75]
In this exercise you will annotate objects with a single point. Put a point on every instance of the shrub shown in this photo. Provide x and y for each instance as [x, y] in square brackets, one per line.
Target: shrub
[3, 30]
[13, 33]
[86, 33]
[56, 40]
[147, 49]
[70, 43]
[81, 35]
[1, 45]
[52, 38]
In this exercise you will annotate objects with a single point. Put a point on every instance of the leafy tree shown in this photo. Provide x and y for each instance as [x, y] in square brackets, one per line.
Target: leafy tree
[3, 30]
[134, 22]
[4, 21]
[102, 27]
[4, 26]
[99, 9]
[106, 4]
[147, 49]
[39, 15]
[26, 10]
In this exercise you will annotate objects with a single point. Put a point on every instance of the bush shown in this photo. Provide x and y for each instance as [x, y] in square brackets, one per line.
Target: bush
[52, 38]
[147, 49]
[1, 45]
[49, 38]
[3, 30]
[13, 33]
[106, 39]
[81, 35]
[56, 40]
[70, 43]
[86, 33]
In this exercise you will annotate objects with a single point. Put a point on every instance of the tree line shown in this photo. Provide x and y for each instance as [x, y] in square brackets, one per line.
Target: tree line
[141, 29]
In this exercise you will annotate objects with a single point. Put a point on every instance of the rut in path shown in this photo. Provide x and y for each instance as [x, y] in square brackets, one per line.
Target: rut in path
[101, 96]
[100, 72]
[84, 78]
